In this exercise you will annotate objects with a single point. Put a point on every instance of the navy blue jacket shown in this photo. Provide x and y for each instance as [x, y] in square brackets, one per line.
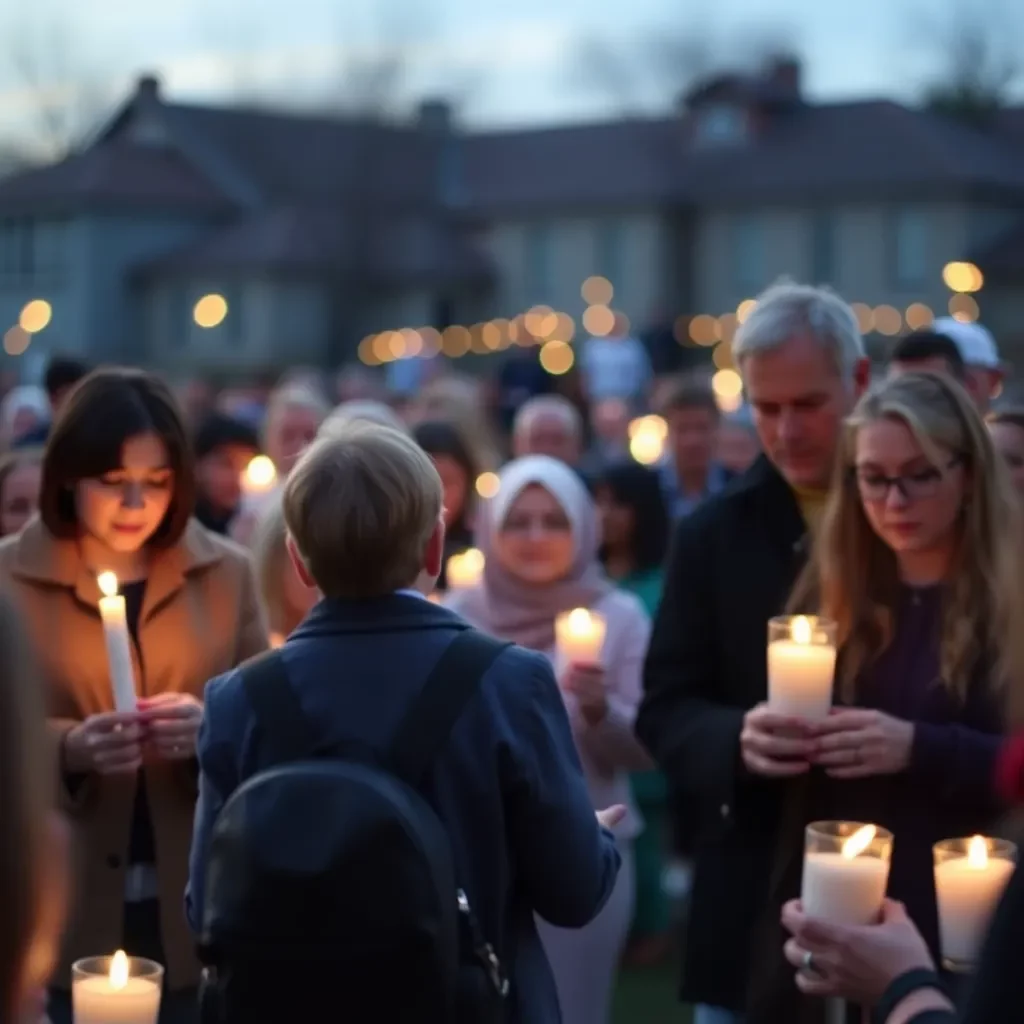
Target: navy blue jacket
[509, 787]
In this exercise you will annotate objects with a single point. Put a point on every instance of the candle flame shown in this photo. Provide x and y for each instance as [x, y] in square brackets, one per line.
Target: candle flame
[977, 853]
[108, 584]
[261, 473]
[579, 622]
[118, 970]
[801, 630]
[859, 841]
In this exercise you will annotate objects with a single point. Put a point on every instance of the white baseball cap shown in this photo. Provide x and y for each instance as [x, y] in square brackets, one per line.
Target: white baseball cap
[976, 343]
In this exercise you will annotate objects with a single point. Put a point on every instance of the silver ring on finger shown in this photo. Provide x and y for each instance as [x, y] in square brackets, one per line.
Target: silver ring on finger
[808, 966]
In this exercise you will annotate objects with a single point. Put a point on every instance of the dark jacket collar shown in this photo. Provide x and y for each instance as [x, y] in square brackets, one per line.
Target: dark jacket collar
[390, 614]
[772, 499]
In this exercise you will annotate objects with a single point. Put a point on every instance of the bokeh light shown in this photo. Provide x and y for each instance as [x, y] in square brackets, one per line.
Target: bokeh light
[455, 341]
[35, 316]
[919, 316]
[565, 330]
[365, 351]
[16, 340]
[647, 447]
[487, 485]
[744, 309]
[210, 310]
[556, 357]
[704, 330]
[962, 277]
[727, 384]
[888, 320]
[599, 321]
[597, 291]
[727, 324]
[722, 356]
[648, 424]
[865, 317]
[964, 308]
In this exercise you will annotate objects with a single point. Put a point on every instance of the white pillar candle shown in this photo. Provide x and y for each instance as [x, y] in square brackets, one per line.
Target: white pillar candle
[579, 637]
[970, 876]
[119, 643]
[465, 570]
[801, 666]
[846, 870]
[116, 990]
[259, 477]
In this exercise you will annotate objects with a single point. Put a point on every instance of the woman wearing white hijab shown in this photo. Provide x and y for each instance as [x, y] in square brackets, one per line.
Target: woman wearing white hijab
[540, 538]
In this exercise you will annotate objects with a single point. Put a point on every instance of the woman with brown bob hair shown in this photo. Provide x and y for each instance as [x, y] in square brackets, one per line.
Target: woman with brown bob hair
[117, 496]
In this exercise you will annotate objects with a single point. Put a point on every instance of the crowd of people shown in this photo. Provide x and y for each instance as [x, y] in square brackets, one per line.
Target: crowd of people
[317, 612]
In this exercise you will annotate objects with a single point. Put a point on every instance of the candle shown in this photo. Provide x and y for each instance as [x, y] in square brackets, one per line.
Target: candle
[801, 666]
[970, 875]
[119, 644]
[846, 870]
[116, 990]
[259, 477]
[465, 570]
[579, 637]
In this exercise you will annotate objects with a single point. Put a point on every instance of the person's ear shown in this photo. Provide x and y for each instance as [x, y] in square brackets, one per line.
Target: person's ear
[433, 555]
[861, 377]
[298, 564]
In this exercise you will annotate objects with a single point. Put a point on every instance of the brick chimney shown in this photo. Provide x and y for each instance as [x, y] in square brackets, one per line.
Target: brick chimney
[147, 88]
[435, 116]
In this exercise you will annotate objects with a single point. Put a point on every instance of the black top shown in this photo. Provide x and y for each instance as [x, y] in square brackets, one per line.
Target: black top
[141, 846]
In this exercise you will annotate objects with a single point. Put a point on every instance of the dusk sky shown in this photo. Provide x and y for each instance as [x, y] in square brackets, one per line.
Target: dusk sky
[508, 62]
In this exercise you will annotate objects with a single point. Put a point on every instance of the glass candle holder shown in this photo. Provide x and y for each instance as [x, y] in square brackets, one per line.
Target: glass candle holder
[801, 665]
[465, 570]
[846, 870]
[116, 989]
[970, 876]
[579, 637]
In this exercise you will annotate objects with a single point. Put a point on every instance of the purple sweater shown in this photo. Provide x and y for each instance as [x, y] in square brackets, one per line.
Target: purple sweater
[948, 789]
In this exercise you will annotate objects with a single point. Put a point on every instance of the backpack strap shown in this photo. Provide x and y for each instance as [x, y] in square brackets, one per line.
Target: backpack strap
[278, 713]
[426, 725]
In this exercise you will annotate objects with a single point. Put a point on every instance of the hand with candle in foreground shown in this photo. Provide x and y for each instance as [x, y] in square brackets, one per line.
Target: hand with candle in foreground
[109, 743]
[854, 743]
[775, 745]
[172, 723]
[587, 684]
[854, 963]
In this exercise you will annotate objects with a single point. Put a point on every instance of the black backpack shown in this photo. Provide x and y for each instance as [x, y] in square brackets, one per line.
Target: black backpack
[330, 880]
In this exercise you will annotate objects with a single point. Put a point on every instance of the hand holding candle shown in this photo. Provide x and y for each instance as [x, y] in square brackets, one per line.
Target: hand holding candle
[801, 666]
[119, 649]
[259, 477]
[970, 875]
[116, 990]
[465, 570]
[579, 637]
[846, 870]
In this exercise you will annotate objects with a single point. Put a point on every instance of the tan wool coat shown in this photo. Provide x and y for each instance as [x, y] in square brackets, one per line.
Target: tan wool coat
[200, 617]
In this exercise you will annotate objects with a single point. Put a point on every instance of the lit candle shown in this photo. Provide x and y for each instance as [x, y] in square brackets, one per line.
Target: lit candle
[116, 990]
[259, 477]
[579, 637]
[846, 870]
[119, 643]
[465, 569]
[801, 666]
[970, 875]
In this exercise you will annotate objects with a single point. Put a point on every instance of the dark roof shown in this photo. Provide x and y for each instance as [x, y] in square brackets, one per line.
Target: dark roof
[113, 173]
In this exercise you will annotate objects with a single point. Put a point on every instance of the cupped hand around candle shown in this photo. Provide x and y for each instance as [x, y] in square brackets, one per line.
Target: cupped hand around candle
[587, 684]
[109, 743]
[854, 963]
[854, 743]
[775, 745]
[172, 722]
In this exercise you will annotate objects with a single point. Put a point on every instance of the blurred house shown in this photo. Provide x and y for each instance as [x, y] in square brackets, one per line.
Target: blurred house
[292, 237]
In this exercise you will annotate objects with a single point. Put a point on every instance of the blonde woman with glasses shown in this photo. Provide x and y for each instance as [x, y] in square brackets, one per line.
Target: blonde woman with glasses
[919, 563]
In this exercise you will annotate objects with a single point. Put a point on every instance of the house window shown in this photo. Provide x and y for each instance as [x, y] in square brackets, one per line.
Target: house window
[823, 247]
[721, 124]
[748, 253]
[609, 244]
[537, 262]
[910, 247]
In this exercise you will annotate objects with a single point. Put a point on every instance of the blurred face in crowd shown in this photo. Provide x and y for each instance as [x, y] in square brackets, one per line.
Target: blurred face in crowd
[547, 433]
[927, 364]
[799, 399]
[123, 508]
[19, 496]
[737, 447]
[535, 542]
[610, 421]
[617, 520]
[983, 385]
[290, 431]
[455, 485]
[692, 436]
[1009, 441]
[219, 475]
[911, 502]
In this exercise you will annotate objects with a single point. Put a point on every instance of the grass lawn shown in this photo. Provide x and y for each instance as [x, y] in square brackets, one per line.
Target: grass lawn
[648, 996]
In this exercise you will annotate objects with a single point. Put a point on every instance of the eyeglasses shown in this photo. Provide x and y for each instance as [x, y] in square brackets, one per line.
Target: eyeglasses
[917, 486]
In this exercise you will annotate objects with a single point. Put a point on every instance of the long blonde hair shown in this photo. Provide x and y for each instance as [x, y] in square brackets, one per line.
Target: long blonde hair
[853, 574]
[271, 563]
